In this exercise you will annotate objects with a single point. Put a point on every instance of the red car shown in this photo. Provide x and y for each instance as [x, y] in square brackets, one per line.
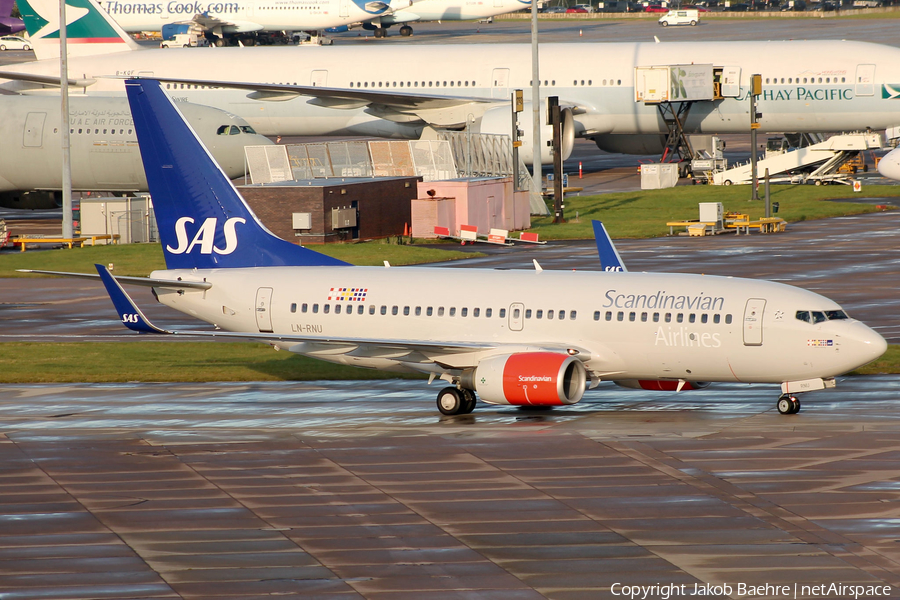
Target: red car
[576, 10]
[655, 8]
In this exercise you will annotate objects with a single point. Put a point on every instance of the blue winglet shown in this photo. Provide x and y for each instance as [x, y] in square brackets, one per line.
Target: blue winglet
[131, 315]
[609, 256]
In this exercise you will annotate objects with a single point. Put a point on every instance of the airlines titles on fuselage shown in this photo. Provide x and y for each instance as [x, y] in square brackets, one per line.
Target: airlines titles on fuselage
[171, 8]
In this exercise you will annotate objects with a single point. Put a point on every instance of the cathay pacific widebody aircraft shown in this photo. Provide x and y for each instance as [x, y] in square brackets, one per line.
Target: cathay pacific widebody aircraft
[528, 338]
[103, 146]
[394, 91]
[237, 19]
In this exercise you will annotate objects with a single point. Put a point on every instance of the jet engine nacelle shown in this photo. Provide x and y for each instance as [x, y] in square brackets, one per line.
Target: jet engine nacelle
[661, 385]
[631, 144]
[499, 122]
[528, 379]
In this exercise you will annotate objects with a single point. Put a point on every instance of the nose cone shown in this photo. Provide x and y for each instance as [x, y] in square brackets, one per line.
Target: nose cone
[867, 345]
[889, 166]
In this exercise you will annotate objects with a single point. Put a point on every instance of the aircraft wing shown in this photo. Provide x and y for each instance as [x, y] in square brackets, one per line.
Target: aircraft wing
[436, 109]
[44, 79]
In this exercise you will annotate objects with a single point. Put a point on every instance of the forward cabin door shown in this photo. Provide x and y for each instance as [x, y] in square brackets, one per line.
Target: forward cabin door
[264, 310]
[731, 82]
[753, 322]
[500, 84]
[34, 130]
[865, 80]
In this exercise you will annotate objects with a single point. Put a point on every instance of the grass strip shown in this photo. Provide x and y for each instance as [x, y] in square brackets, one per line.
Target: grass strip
[116, 362]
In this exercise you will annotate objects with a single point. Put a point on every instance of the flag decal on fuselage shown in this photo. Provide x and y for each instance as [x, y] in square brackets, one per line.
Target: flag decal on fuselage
[342, 294]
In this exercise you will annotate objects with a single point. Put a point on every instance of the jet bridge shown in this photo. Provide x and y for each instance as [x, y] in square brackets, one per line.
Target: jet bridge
[818, 163]
[674, 89]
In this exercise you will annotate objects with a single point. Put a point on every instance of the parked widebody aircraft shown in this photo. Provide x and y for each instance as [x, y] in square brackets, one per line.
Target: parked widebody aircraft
[889, 165]
[808, 86]
[440, 10]
[103, 146]
[515, 337]
[233, 20]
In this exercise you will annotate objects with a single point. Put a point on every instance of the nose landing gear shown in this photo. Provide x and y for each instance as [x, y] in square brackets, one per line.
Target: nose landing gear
[788, 405]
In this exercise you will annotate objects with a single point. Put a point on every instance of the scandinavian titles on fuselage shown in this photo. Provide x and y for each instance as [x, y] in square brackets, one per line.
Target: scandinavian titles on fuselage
[682, 336]
[660, 300]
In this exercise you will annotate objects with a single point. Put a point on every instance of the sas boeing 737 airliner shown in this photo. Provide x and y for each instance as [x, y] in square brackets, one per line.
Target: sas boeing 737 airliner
[537, 338]
[808, 86]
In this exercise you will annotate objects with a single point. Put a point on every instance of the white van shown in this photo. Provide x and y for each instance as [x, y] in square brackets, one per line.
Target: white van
[688, 16]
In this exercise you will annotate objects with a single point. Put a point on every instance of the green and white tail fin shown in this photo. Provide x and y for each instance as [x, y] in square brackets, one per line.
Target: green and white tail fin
[90, 30]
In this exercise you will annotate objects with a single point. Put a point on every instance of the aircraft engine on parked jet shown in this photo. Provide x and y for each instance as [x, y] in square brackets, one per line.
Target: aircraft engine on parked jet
[631, 144]
[528, 379]
[497, 121]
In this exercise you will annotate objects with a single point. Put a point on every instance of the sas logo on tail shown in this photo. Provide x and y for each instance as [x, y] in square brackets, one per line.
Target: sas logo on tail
[206, 236]
[890, 91]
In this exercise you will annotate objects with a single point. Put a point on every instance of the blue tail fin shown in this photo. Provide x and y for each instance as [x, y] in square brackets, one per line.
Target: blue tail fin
[128, 311]
[609, 256]
[203, 221]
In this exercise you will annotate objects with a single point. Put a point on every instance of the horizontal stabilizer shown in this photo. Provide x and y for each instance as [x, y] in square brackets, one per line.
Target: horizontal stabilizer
[144, 281]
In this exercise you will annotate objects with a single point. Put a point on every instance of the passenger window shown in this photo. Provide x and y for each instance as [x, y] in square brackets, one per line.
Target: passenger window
[429, 311]
[394, 310]
[656, 317]
[539, 314]
[440, 311]
[549, 314]
[487, 313]
[572, 315]
[596, 315]
[803, 315]
[632, 316]
[359, 309]
[452, 311]
[562, 315]
[337, 309]
[304, 307]
[668, 317]
[294, 307]
[405, 311]
[326, 308]
[315, 308]
[383, 309]
[476, 312]
[502, 313]
[692, 318]
[620, 316]
[643, 317]
[464, 312]
[680, 318]
[516, 313]
[527, 313]
[704, 318]
[716, 319]
[728, 319]
[609, 315]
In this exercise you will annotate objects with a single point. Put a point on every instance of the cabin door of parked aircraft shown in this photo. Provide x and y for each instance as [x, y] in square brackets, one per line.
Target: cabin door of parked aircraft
[753, 321]
[264, 310]
[516, 310]
[345, 8]
[865, 80]
[34, 130]
[319, 78]
[731, 82]
[500, 83]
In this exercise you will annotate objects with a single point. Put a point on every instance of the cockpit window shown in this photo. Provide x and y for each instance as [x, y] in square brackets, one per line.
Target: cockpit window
[228, 130]
[248, 129]
[818, 316]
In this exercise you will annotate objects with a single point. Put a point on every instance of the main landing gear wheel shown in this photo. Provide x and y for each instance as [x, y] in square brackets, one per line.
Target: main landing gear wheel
[406, 31]
[380, 32]
[788, 405]
[452, 401]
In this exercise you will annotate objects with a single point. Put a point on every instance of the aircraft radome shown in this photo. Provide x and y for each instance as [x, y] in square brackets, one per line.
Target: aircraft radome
[514, 337]
[808, 86]
[104, 150]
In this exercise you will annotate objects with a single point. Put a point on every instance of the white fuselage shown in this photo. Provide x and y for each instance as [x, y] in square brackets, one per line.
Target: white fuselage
[103, 145]
[819, 93]
[621, 325]
[460, 10]
[243, 15]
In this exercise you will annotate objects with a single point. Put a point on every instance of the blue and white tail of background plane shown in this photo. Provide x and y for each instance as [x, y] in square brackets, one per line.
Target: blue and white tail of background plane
[609, 256]
[203, 221]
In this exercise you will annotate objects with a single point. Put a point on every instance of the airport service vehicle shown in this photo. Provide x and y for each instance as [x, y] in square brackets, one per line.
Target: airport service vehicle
[14, 42]
[827, 86]
[513, 337]
[103, 146]
[680, 17]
